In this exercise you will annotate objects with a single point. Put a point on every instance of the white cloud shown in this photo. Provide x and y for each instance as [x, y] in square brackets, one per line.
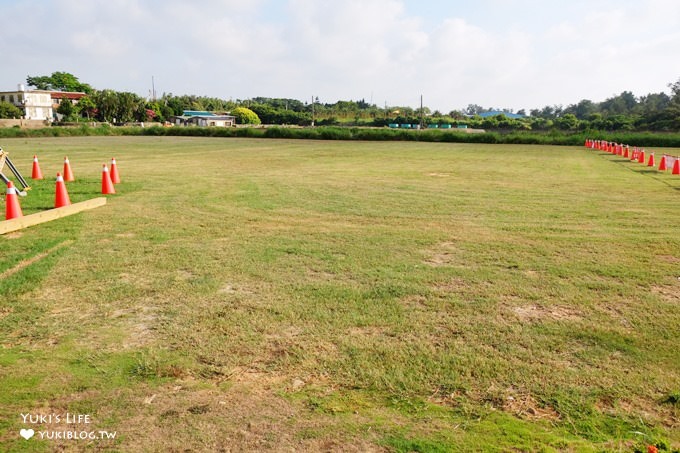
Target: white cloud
[356, 41]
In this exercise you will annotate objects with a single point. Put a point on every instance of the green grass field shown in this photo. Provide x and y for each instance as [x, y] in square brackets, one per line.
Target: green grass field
[249, 295]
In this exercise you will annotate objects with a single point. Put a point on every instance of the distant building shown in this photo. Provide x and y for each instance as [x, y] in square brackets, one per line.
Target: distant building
[203, 119]
[58, 96]
[35, 104]
[38, 104]
[513, 116]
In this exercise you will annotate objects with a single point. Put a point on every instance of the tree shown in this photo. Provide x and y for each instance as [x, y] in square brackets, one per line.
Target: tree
[582, 110]
[65, 108]
[61, 81]
[130, 108]
[119, 107]
[86, 107]
[8, 110]
[566, 122]
[245, 116]
[670, 116]
[106, 102]
[653, 103]
[491, 122]
[675, 98]
[548, 112]
[456, 115]
[474, 109]
[158, 112]
[675, 89]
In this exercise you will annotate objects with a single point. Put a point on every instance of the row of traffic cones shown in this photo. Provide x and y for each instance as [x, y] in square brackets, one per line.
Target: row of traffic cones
[61, 198]
[36, 173]
[636, 154]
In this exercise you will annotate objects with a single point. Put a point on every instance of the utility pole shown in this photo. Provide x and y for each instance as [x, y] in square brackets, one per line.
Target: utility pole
[312, 110]
[422, 122]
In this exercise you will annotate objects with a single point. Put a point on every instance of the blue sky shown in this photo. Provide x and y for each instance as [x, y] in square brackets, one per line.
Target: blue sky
[518, 54]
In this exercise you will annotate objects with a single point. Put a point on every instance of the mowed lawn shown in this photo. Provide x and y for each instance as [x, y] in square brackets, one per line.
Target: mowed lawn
[249, 295]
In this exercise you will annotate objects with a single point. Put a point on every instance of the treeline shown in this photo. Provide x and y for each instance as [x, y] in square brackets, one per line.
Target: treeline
[646, 139]
[624, 112]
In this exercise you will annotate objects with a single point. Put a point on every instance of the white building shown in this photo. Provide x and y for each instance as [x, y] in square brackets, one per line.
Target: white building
[204, 119]
[35, 104]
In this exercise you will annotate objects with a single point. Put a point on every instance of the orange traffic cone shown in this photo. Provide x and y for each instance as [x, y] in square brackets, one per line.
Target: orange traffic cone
[61, 195]
[114, 172]
[641, 157]
[107, 184]
[36, 173]
[12, 207]
[651, 160]
[68, 173]
[662, 164]
[676, 166]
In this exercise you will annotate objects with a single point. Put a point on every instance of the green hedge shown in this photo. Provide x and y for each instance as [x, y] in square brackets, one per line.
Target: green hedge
[362, 133]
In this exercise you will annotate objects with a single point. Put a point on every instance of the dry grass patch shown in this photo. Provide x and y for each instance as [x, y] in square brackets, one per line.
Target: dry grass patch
[445, 254]
[669, 293]
[537, 313]
[525, 405]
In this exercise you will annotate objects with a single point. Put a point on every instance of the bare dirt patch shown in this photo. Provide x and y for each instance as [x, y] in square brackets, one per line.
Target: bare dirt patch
[532, 273]
[138, 325]
[230, 288]
[537, 313]
[136, 279]
[415, 302]
[669, 293]
[368, 331]
[185, 274]
[444, 254]
[455, 285]
[668, 259]
[321, 275]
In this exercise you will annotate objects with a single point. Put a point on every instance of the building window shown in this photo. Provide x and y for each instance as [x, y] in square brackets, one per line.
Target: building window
[11, 98]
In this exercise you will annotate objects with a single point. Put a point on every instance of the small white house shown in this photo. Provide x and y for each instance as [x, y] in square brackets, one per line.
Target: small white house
[35, 104]
[204, 119]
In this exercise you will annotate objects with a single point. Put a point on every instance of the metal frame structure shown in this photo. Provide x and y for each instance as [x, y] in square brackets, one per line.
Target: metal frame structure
[5, 160]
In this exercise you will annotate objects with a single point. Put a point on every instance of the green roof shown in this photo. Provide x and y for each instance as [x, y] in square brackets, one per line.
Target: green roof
[196, 113]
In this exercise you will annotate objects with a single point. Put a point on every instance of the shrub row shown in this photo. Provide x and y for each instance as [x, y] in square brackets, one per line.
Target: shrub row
[357, 133]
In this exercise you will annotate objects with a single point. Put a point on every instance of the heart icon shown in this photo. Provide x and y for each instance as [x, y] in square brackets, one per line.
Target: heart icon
[26, 433]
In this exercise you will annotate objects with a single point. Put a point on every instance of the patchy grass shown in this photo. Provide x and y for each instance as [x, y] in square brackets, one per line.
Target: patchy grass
[349, 296]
